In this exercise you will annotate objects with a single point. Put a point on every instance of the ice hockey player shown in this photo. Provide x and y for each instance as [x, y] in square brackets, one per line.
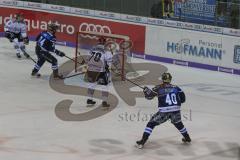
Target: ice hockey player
[98, 64]
[16, 31]
[170, 98]
[45, 48]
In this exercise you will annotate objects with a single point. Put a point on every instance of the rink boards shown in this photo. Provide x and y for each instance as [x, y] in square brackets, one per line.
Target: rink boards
[187, 44]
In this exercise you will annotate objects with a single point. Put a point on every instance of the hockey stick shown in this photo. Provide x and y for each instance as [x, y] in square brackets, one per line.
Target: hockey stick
[133, 83]
[32, 59]
[137, 84]
[111, 50]
[128, 79]
[74, 60]
[27, 55]
[74, 75]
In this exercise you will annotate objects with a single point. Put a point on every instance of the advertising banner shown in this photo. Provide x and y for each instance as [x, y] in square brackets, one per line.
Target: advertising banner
[193, 47]
[196, 10]
[69, 25]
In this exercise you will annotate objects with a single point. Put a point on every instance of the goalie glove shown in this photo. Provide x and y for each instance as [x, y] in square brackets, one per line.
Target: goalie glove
[26, 40]
[149, 94]
[59, 53]
[9, 35]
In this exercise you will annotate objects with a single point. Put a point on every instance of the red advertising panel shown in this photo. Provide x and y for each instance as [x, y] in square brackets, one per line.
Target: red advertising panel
[69, 25]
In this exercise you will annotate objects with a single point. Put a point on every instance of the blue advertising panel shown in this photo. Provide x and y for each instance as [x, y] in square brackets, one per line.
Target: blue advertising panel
[199, 11]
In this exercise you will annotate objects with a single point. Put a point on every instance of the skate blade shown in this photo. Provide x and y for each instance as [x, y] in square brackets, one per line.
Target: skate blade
[139, 146]
[186, 142]
[36, 76]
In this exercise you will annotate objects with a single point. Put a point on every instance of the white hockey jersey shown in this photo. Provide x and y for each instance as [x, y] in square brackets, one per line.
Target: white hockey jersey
[99, 58]
[16, 27]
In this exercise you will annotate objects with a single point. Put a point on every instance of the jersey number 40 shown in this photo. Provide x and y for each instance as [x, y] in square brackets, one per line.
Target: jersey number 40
[171, 99]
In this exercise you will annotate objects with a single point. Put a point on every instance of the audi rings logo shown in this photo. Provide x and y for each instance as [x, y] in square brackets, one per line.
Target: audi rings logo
[93, 28]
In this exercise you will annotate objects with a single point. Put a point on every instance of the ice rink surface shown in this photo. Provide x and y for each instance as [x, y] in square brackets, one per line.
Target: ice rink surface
[30, 129]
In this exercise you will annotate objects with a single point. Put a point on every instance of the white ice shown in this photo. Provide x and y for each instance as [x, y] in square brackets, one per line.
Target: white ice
[30, 130]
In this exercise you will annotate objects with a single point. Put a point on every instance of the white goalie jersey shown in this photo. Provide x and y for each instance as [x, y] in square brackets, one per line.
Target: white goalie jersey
[99, 59]
[16, 27]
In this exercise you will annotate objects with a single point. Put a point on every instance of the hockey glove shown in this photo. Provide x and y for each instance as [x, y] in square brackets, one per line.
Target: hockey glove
[146, 90]
[149, 94]
[9, 35]
[59, 53]
[26, 40]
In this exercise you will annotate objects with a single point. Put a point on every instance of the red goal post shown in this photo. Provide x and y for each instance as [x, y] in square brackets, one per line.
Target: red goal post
[120, 44]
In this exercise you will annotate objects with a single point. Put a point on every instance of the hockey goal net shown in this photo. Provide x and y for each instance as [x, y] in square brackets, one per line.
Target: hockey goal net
[119, 45]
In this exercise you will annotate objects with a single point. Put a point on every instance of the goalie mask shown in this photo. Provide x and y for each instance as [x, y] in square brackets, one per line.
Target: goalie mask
[52, 28]
[166, 77]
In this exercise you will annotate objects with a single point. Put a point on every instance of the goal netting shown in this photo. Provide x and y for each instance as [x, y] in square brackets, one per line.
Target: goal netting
[119, 45]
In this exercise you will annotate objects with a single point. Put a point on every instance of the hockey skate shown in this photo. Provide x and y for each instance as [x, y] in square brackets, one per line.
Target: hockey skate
[105, 104]
[90, 102]
[56, 75]
[139, 144]
[186, 139]
[35, 73]
[18, 55]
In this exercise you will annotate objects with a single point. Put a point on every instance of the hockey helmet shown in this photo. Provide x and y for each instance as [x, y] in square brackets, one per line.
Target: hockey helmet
[166, 77]
[52, 27]
[19, 16]
[101, 40]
